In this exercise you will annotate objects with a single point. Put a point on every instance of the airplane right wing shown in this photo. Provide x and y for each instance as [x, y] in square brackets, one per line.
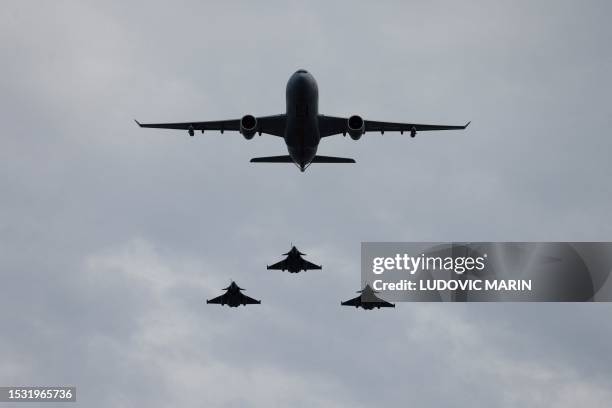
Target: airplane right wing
[332, 125]
[371, 299]
[310, 266]
[272, 125]
[249, 300]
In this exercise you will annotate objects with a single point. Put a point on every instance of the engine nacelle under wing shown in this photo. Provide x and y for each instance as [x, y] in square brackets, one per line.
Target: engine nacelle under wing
[355, 127]
[248, 126]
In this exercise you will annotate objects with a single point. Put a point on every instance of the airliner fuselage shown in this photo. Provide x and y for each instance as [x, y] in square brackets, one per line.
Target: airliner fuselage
[302, 127]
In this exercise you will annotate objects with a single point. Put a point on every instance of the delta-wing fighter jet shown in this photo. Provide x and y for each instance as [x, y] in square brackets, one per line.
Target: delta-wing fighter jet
[367, 300]
[301, 126]
[233, 297]
[294, 262]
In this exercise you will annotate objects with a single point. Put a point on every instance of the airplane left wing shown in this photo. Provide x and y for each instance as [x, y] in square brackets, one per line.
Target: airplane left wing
[331, 125]
[352, 302]
[217, 300]
[282, 265]
[272, 125]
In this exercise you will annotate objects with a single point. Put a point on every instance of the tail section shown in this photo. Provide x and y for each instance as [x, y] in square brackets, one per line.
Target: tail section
[288, 159]
[331, 159]
[272, 159]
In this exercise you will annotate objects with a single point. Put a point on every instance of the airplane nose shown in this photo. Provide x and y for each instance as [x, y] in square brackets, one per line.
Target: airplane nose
[301, 71]
[299, 82]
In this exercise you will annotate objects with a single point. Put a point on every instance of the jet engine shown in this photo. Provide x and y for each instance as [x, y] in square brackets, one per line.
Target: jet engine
[356, 127]
[248, 126]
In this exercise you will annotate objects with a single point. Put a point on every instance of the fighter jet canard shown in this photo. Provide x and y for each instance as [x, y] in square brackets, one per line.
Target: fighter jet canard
[233, 297]
[294, 262]
[301, 126]
[367, 300]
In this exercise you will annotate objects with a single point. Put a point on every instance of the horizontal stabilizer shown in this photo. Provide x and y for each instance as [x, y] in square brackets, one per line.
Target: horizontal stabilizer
[330, 159]
[288, 159]
[272, 159]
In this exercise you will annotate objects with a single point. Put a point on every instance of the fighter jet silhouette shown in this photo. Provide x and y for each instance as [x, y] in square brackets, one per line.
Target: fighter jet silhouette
[233, 297]
[367, 300]
[294, 262]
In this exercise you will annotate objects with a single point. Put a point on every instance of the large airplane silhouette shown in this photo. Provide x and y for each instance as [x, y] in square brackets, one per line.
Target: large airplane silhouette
[294, 262]
[233, 297]
[301, 126]
[367, 300]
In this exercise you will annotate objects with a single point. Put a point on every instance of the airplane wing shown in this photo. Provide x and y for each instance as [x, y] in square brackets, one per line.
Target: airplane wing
[249, 300]
[380, 303]
[372, 300]
[352, 302]
[272, 125]
[217, 300]
[279, 265]
[331, 125]
[358, 301]
[310, 266]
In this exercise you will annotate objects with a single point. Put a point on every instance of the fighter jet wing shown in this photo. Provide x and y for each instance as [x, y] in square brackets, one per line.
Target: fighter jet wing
[272, 125]
[331, 125]
[249, 300]
[358, 301]
[282, 265]
[310, 266]
[380, 303]
[371, 300]
[217, 300]
[352, 302]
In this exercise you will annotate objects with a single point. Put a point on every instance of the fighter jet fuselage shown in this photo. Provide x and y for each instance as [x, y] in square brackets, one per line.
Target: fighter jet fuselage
[232, 300]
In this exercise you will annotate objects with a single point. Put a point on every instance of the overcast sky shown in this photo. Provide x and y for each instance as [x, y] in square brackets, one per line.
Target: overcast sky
[112, 237]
